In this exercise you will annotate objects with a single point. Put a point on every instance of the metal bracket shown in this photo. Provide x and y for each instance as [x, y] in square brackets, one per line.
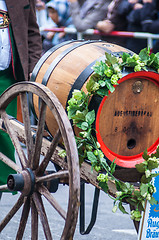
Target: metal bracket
[82, 210]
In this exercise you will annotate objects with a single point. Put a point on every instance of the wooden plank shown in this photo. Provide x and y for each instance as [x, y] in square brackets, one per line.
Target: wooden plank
[85, 170]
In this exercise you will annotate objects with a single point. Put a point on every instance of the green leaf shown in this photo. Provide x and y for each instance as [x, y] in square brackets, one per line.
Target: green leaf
[112, 167]
[141, 167]
[152, 164]
[77, 94]
[99, 68]
[79, 124]
[118, 185]
[125, 56]
[90, 117]
[131, 62]
[104, 186]
[151, 60]
[91, 157]
[84, 126]
[96, 77]
[145, 155]
[153, 201]
[110, 59]
[157, 54]
[144, 189]
[125, 186]
[109, 85]
[141, 205]
[144, 56]
[104, 164]
[132, 201]
[145, 68]
[137, 194]
[122, 209]
[71, 112]
[103, 92]
[80, 116]
[102, 83]
[145, 180]
[92, 85]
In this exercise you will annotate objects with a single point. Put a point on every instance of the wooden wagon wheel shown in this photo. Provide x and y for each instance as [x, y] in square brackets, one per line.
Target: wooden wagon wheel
[31, 176]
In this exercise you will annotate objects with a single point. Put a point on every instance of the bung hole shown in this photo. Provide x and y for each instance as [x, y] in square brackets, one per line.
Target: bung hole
[131, 143]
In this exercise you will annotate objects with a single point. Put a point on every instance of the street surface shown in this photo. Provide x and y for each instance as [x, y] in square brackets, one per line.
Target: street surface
[108, 226]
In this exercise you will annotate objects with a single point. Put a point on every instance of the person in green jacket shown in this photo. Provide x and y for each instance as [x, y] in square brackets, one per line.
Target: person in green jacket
[20, 49]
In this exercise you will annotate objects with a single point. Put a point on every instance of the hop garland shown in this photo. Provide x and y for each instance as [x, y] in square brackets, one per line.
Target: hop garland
[106, 75]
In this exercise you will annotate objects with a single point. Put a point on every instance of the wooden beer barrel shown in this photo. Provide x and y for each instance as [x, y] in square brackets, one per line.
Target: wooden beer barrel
[126, 120]
[131, 116]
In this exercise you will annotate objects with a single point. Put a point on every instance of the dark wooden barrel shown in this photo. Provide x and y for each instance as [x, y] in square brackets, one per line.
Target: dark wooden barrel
[126, 120]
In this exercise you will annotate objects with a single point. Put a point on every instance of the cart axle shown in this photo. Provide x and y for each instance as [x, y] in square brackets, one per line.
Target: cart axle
[23, 182]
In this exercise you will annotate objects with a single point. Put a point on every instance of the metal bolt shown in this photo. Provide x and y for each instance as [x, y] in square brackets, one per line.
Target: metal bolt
[137, 87]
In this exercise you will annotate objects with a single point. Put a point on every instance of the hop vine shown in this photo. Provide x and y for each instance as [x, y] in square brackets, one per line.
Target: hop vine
[103, 80]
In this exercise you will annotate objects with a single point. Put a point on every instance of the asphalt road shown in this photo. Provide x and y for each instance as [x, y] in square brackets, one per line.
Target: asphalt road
[108, 226]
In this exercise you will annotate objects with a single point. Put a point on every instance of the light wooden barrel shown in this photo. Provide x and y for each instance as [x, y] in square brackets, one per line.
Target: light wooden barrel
[126, 120]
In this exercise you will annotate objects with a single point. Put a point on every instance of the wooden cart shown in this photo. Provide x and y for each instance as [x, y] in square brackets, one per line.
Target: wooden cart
[127, 128]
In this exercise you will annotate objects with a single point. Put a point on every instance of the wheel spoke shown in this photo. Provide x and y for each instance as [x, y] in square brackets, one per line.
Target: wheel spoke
[27, 127]
[34, 170]
[49, 177]
[34, 222]
[9, 162]
[39, 136]
[49, 153]
[14, 139]
[24, 218]
[12, 212]
[43, 190]
[41, 211]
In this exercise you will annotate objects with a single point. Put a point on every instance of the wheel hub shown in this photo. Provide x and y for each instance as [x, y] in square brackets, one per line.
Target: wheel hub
[23, 182]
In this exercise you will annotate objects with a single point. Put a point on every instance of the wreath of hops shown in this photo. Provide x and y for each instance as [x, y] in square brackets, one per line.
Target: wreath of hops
[106, 75]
